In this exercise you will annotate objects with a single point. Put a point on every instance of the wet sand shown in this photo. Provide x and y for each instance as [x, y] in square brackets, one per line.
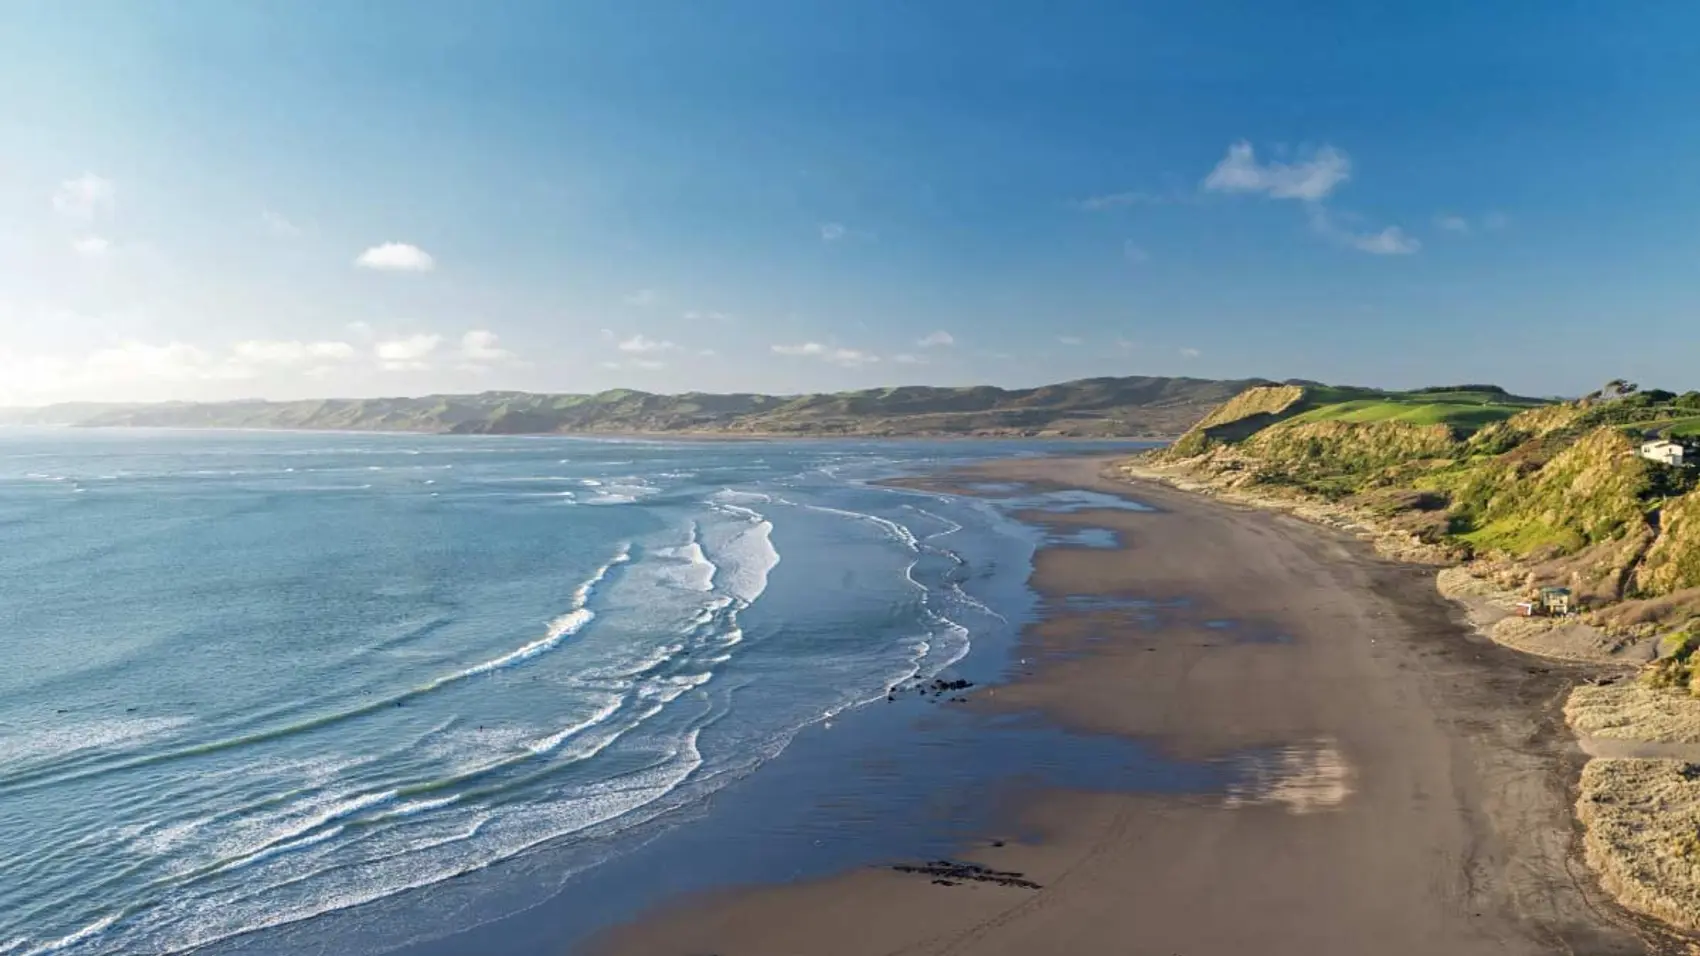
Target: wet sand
[1397, 784]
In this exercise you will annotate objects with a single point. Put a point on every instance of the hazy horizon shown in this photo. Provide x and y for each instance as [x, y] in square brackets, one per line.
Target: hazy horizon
[210, 201]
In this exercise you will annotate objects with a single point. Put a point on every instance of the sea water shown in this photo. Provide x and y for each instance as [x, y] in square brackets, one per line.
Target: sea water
[251, 680]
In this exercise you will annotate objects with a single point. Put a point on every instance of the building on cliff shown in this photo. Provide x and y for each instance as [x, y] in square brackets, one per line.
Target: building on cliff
[1677, 454]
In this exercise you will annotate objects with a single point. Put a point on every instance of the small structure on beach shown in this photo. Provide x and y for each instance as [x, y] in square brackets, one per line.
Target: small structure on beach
[1548, 602]
[1672, 452]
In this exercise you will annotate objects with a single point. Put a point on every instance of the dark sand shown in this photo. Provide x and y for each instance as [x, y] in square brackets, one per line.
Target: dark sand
[1404, 786]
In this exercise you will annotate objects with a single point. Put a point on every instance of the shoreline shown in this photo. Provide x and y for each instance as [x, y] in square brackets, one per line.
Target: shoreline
[683, 436]
[1386, 778]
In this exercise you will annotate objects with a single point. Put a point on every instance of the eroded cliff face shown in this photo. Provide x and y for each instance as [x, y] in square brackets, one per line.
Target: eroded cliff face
[1240, 417]
[1673, 561]
[1349, 447]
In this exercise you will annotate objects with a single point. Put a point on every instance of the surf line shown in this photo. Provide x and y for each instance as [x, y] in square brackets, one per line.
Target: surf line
[558, 630]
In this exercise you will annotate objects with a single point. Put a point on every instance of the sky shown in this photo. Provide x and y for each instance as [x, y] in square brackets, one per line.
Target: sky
[216, 199]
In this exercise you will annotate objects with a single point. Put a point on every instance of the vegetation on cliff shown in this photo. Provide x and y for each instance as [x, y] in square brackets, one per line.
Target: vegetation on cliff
[1549, 492]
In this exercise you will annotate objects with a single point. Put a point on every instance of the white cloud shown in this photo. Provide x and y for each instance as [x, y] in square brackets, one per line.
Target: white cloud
[643, 343]
[175, 362]
[1134, 253]
[643, 298]
[849, 358]
[91, 246]
[396, 257]
[408, 354]
[939, 339]
[1496, 220]
[904, 358]
[85, 197]
[694, 315]
[1452, 223]
[832, 231]
[278, 226]
[637, 364]
[1391, 241]
[1310, 180]
[290, 353]
[708, 353]
[1071, 340]
[1126, 345]
[1190, 353]
[480, 346]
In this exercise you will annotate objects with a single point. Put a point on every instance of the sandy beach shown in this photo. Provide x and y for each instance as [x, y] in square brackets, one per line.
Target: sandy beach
[1392, 782]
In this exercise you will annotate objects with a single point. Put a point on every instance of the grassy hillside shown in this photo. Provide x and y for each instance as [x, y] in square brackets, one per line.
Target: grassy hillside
[1461, 410]
[1556, 488]
[1098, 407]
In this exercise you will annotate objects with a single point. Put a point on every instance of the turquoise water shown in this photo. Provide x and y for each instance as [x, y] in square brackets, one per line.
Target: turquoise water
[251, 679]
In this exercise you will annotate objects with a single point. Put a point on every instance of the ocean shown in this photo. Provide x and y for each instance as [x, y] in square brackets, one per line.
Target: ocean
[254, 682]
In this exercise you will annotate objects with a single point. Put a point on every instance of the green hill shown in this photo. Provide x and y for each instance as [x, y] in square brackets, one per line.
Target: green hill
[1096, 407]
[1557, 489]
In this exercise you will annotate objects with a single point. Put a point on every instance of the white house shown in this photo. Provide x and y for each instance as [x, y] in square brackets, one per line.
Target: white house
[1667, 452]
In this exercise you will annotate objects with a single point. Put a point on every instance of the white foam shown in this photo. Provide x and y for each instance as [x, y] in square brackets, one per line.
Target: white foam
[93, 929]
[745, 562]
[276, 849]
[611, 499]
[697, 573]
[559, 629]
[897, 532]
[413, 807]
[549, 743]
[86, 735]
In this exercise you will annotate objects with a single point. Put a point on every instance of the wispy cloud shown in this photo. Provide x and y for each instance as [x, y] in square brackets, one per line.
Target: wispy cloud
[1450, 223]
[637, 364]
[939, 339]
[285, 354]
[85, 197]
[1071, 340]
[411, 353]
[905, 358]
[1311, 179]
[1390, 241]
[1120, 201]
[278, 226]
[643, 343]
[833, 231]
[480, 349]
[396, 257]
[695, 315]
[643, 298]
[1134, 253]
[849, 358]
[91, 246]
[1190, 353]
[1463, 225]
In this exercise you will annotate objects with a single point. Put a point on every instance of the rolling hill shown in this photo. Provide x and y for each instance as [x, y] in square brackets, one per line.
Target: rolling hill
[1095, 407]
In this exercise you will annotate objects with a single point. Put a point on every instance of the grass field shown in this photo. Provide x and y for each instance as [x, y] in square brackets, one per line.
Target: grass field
[1426, 409]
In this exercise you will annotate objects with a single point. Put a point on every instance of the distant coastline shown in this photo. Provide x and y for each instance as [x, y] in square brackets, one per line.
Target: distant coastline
[1098, 408]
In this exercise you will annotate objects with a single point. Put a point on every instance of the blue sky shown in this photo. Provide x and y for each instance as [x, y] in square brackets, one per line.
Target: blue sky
[225, 199]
